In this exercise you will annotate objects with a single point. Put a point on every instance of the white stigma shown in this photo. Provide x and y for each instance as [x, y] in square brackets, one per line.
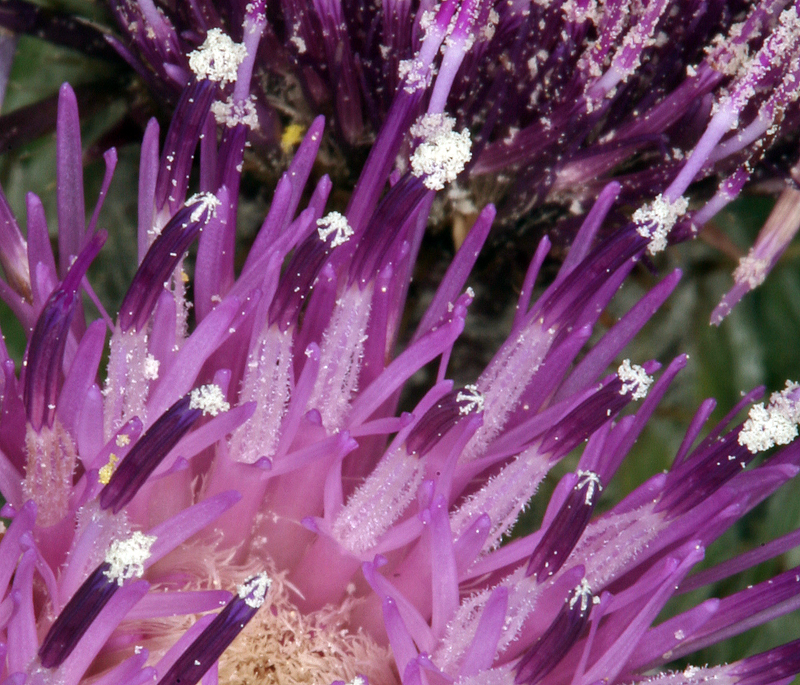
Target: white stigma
[775, 424]
[582, 593]
[127, 557]
[592, 481]
[634, 380]
[655, 221]
[474, 400]
[206, 202]
[336, 224]
[254, 590]
[218, 58]
[442, 154]
[210, 399]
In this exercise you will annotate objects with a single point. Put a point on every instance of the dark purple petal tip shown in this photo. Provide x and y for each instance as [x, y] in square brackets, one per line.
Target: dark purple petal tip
[442, 417]
[566, 529]
[161, 259]
[558, 639]
[148, 453]
[77, 616]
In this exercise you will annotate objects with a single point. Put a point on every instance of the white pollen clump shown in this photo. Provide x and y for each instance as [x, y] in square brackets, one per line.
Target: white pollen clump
[775, 424]
[218, 58]
[336, 224]
[655, 221]
[474, 400]
[487, 32]
[123, 439]
[233, 114]
[634, 379]
[254, 590]
[206, 202]
[151, 365]
[127, 557]
[210, 399]
[413, 74]
[592, 482]
[442, 154]
[751, 270]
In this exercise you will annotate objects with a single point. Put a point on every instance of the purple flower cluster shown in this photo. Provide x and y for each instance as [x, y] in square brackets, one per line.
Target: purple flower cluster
[243, 456]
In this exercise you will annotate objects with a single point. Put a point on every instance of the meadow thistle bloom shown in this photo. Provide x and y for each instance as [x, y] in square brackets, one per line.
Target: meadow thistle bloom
[559, 97]
[243, 457]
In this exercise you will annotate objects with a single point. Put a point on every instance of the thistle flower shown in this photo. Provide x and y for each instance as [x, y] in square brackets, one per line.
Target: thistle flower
[246, 449]
[559, 98]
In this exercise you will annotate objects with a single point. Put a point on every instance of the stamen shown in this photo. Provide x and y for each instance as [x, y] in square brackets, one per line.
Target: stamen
[558, 639]
[45, 351]
[214, 640]
[566, 528]
[161, 259]
[125, 559]
[148, 453]
[438, 420]
[76, 617]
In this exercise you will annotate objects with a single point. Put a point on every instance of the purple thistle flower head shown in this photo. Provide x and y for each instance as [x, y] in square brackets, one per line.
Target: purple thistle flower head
[559, 98]
[242, 454]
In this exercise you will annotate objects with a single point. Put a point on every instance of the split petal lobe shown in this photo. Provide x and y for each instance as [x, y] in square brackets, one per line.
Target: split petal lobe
[44, 356]
[69, 162]
[399, 638]
[182, 526]
[482, 650]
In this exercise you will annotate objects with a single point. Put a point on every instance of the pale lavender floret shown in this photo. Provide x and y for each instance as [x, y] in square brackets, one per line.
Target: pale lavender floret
[773, 239]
